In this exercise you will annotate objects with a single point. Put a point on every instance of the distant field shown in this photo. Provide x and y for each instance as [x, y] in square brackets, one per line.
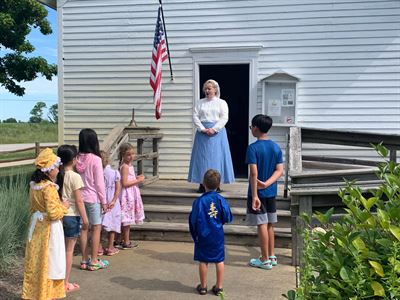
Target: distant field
[16, 133]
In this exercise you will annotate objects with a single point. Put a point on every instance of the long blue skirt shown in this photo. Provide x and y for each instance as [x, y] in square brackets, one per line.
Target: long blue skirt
[211, 152]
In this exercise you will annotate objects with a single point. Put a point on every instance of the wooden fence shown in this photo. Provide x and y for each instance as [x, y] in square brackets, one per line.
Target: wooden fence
[37, 148]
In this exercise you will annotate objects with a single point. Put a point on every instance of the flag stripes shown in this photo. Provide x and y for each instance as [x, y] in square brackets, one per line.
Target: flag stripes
[159, 55]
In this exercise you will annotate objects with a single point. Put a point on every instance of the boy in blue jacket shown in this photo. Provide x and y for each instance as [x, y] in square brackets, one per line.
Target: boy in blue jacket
[209, 213]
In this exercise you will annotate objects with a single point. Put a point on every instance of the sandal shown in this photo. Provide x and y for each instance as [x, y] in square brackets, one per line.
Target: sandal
[101, 264]
[273, 259]
[217, 291]
[84, 265]
[111, 252]
[118, 245]
[130, 245]
[258, 263]
[201, 290]
[100, 252]
[71, 287]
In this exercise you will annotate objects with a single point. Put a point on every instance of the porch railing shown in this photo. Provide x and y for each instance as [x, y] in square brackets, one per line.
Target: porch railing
[137, 136]
[317, 190]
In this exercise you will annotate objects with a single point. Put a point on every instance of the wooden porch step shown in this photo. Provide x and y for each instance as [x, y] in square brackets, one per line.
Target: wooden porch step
[179, 232]
[180, 214]
[188, 198]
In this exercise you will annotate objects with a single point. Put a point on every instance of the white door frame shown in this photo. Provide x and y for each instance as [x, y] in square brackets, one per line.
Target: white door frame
[225, 56]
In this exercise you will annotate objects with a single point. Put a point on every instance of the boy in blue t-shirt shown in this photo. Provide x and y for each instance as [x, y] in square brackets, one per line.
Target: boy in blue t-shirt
[264, 158]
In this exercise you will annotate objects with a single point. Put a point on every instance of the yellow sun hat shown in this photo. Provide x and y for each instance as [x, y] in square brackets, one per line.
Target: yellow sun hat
[47, 160]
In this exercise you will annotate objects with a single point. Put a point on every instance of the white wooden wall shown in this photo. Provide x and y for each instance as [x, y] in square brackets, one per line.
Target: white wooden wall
[345, 53]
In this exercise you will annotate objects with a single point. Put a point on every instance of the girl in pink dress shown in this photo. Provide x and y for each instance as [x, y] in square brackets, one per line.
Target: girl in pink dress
[131, 201]
[112, 218]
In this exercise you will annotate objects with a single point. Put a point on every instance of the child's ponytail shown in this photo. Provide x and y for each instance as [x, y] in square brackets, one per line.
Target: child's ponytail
[67, 153]
[37, 176]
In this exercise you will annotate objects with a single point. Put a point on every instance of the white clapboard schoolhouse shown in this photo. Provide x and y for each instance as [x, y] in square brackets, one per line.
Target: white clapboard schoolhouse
[313, 63]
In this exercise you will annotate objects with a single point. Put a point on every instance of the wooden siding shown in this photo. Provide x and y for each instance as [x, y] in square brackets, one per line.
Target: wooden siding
[345, 53]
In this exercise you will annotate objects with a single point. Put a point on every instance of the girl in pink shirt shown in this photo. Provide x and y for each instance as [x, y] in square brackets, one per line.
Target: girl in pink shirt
[90, 168]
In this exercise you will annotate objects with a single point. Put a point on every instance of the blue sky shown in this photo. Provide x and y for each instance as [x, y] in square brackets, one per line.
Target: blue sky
[40, 89]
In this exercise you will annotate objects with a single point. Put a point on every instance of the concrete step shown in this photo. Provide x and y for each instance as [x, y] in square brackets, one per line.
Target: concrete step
[182, 198]
[179, 232]
[180, 214]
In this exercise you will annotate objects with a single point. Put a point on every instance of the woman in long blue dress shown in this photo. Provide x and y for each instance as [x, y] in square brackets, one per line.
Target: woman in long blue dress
[210, 146]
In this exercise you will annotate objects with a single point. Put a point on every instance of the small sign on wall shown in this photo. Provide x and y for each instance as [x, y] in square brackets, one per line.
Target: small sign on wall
[287, 96]
[289, 119]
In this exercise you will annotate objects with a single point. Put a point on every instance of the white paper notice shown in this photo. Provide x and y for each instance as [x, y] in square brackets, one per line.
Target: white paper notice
[274, 108]
[288, 97]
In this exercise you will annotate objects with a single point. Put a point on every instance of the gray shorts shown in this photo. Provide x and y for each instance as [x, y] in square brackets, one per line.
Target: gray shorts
[93, 211]
[267, 218]
[266, 215]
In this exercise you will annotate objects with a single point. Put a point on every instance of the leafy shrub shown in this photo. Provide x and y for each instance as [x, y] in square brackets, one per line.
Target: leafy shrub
[14, 218]
[357, 257]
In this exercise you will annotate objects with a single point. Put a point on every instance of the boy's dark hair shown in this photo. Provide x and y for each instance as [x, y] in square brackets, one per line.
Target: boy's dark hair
[262, 122]
[67, 153]
[212, 179]
[88, 142]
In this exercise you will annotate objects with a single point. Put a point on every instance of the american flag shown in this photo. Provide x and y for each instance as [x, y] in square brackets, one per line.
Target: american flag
[160, 54]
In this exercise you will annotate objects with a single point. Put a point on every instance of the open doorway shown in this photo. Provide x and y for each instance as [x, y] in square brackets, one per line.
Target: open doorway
[233, 80]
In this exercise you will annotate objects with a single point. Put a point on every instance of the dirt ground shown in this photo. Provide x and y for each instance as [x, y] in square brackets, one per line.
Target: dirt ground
[11, 283]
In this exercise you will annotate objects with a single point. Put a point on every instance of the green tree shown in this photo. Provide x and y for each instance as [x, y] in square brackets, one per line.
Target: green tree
[52, 115]
[37, 112]
[17, 18]
[10, 120]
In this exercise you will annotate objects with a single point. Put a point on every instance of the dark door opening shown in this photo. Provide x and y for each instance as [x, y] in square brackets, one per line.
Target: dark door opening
[234, 84]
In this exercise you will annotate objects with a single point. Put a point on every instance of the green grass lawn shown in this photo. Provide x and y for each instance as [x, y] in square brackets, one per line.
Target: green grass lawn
[16, 133]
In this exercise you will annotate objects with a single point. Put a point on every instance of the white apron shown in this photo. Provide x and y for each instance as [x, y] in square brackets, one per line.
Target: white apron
[57, 263]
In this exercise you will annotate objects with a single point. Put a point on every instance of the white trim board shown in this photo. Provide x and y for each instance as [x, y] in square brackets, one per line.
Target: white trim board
[228, 55]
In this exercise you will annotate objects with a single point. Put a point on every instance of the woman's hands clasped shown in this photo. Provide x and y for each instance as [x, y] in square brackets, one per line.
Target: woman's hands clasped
[209, 131]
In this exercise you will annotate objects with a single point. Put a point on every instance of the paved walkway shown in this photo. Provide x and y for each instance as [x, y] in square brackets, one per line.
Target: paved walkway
[166, 270]
[13, 147]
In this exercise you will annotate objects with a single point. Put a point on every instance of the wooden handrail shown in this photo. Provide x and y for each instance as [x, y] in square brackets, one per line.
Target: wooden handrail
[313, 190]
[123, 134]
[349, 138]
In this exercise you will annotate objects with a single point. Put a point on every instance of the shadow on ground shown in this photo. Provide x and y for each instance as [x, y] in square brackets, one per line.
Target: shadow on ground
[152, 285]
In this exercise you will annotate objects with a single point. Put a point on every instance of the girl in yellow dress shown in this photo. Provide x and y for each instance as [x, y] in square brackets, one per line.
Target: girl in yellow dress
[45, 251]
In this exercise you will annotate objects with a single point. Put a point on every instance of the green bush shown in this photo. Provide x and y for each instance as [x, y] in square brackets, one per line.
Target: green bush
[357, 257]
[14, 218]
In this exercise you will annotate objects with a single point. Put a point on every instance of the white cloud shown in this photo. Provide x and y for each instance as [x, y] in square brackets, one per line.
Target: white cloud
[38, 87]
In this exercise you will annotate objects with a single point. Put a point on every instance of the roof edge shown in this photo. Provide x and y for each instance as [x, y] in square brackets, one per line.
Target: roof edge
[50, 3]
